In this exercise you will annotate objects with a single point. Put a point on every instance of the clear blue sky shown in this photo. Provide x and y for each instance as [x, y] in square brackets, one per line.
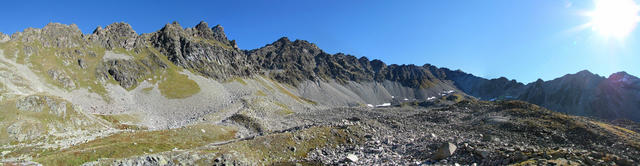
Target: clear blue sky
[523, 39]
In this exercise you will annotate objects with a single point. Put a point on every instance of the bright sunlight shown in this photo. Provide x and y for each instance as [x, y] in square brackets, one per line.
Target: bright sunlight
[614, 18]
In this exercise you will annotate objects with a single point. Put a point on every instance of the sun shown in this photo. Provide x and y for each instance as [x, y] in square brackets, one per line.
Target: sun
[614, 18]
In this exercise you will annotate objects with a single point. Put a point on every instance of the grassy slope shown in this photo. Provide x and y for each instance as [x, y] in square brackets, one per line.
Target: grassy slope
[41, 121]
[277, 148]
[129, 144]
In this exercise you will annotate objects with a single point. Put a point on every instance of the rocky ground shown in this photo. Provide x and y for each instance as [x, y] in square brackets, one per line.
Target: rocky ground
[466, 133]
[477, 133]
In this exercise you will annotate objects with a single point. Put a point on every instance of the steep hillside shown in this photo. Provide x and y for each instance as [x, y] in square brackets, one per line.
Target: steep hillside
[114, 70]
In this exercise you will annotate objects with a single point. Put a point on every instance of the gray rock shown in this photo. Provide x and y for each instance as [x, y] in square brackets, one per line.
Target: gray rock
[445, 150]
[30, 103]
[116, 35]
[82, 63]
[61, 78]
[351, 158]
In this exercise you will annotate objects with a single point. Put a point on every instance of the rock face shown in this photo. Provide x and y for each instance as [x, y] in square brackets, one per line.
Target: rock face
[204, 50]
[294, 62]
[42, 103]
[61, 78]
[53, 35]
[116, 35]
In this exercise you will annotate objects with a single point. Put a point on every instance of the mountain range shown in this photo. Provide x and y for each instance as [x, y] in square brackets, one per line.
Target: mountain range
[116, 79]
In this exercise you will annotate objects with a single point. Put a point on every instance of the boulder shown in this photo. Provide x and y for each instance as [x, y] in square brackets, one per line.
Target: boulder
[445, 150]
[352, 158]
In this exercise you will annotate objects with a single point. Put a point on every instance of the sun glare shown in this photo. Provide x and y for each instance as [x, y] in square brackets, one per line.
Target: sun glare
[614, 18]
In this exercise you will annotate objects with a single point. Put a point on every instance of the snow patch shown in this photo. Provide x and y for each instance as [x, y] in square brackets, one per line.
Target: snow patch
[384, 105]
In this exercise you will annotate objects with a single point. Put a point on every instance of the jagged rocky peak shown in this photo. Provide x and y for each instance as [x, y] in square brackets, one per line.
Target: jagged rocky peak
[198, 48]
[219, 35]
[302, 45]
[116, 35]
[623, 77]
[174, 31]
[61, 29]
[53, 35]
[585, 73]
[203, 30]
[539, 81]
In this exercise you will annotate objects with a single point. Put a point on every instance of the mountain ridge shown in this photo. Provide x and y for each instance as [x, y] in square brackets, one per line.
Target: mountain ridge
[207, 51]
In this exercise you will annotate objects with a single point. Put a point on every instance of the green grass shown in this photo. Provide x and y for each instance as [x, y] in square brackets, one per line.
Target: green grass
[285, 109]
[129, 144]
[264, 84]
[276, 148]
[286, 92]
[147, 89]
[178, 86]
[44, 59]
[309, 101]
[260, 93]
[123, 121]
[40, 124]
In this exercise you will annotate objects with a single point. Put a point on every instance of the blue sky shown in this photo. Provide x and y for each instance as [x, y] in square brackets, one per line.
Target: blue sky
[523, 40]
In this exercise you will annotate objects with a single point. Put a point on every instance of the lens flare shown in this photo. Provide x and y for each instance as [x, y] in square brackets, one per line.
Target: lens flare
[614, 18]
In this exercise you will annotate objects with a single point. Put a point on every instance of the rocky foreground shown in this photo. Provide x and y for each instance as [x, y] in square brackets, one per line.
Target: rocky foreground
[467, 133]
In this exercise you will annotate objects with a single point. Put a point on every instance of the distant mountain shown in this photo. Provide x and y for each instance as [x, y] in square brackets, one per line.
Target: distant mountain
[582, 93]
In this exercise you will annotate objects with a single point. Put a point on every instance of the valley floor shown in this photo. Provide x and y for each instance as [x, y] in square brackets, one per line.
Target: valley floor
[468, 132]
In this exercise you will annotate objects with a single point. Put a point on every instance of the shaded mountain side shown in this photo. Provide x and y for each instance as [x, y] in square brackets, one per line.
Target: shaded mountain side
[297, 61]
[482, 88]
[582, 93]
[588, 94]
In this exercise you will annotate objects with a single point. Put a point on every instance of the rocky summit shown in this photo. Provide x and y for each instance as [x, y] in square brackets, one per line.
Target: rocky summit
[191, 96]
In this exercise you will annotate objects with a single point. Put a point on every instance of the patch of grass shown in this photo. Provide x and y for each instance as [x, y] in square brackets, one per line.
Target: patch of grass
[264, 84]
[39, 126]
[178, 86]
[147, 89]
[285, 109]
[260, 93]
[129, 144]
[625, 134]
[123, 121]
[286, 92]
[309, 101]
[65, 60]
[282, 147]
